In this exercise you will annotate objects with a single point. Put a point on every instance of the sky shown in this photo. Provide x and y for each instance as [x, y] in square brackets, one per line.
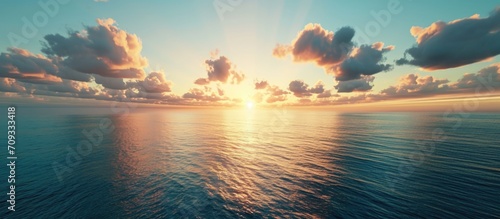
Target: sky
[232, 52]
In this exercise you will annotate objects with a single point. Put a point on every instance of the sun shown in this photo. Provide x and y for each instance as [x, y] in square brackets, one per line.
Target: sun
[250, 105]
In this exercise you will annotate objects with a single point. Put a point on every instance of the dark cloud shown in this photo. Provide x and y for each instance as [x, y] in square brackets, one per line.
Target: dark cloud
[365, 60]
[336, 52]
[218, 69]
[103, 49]
[447, 45]
[358, 85]
[23, 65]
[71, 74]
[10, 85]
[301, 89]
[221, 70]
[319, 45]
[111, 83]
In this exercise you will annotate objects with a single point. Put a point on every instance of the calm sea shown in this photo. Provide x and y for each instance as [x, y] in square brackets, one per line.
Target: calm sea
[259, 163]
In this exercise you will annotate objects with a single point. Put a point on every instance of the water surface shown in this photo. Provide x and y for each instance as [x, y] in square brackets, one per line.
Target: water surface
[234, 163]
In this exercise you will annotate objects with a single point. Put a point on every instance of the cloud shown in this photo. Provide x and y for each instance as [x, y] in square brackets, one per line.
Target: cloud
[353, 99]
[488, 78]
[67, 88]
[411, 86]
[336, 52]
[103, 49]
[10, 85]
[319, 45]
[414, 84]
[153, 87]
[276, 94]
[80, 89]
[155, 82]
[281, 51]
[461, 42]
[69, 73]
[221, 70]
[102, 55]
[259, 85]
[111, 83]
[417, 86]
[269, 93]
[23, 65]
[301, 89]
[358, 85]
[305, 101]
[202, 81]
[318, 88]
[220, 91]
[277, 98]
[363, 61]
[325, 94]
[205, 95]
[237, 78]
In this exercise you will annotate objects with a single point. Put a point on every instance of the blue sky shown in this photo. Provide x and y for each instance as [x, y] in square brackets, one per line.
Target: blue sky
[178, 36]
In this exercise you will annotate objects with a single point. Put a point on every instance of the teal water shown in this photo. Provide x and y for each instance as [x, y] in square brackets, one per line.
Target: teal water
[238, 163]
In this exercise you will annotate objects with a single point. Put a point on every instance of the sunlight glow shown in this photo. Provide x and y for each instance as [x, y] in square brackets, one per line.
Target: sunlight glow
[250, 105]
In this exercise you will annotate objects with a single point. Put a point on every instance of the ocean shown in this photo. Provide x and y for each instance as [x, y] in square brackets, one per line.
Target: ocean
[252, 163]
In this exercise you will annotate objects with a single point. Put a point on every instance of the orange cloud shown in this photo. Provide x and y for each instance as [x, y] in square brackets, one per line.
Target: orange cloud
[103, 49]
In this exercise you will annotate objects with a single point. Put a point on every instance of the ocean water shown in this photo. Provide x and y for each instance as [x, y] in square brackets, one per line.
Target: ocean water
[259, 163]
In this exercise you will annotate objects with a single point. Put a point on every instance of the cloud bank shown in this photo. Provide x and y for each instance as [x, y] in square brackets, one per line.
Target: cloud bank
[460, 42]
[100, 62]
[337, 53]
